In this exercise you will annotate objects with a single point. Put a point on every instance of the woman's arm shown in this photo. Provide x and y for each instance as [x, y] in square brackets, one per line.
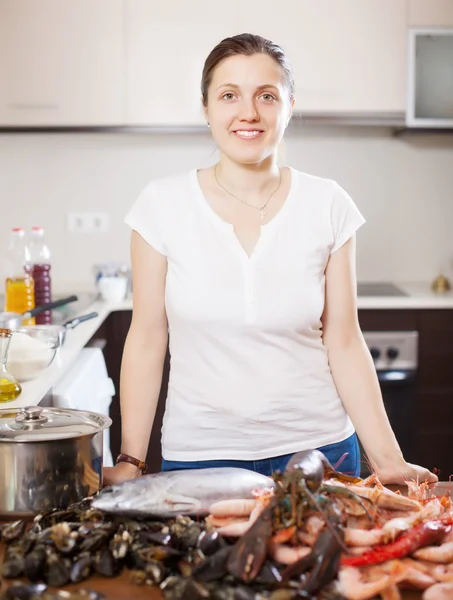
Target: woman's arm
[354, 373]
[143, 356]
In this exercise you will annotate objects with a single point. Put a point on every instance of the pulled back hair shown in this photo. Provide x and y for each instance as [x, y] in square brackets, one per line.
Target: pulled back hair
[245, 44]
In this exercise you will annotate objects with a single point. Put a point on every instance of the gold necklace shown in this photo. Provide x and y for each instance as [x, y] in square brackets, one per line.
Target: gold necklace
[260, 208]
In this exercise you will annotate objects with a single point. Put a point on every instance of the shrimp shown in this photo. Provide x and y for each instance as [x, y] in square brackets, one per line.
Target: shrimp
[439, 591]
[381, 535]
[239, 527]
[354, 586]
[288, 555]
[439, 554]
[443, 573]
[391, 593]
[312, 527]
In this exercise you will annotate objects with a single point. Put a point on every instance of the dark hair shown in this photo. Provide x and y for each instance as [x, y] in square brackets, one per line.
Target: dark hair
[245, 44]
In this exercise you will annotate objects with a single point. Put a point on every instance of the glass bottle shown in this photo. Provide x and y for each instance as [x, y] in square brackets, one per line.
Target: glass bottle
[9, 386]
[19, 284]
[40, 261]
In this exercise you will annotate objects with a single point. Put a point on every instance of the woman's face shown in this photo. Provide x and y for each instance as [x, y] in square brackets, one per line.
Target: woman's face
[248, 107]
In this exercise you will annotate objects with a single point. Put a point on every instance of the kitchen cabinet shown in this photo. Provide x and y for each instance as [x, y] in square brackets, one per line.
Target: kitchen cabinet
[430, 13]
[61, 63]
[347, 57]
[433, 407]
[166, 46]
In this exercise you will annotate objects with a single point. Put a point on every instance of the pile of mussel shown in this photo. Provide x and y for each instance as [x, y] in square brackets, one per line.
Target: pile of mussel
[180, 556]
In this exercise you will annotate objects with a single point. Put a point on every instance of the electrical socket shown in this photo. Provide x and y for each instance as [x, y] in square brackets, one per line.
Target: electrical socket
[88, 222]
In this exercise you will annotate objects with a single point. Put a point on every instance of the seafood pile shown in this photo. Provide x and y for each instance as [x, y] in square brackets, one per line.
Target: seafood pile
[229, 534]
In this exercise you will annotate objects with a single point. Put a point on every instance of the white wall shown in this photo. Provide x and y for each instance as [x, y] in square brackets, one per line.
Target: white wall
[403, 186]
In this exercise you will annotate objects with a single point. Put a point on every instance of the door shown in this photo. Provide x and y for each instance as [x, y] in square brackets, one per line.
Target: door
[166, 46]
[61, 63]
[348, 56]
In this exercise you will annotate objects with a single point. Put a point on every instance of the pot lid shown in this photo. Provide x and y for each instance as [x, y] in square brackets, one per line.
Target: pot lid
[36, 424]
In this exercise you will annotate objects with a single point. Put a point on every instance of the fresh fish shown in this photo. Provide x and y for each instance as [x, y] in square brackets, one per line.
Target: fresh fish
[185, 492]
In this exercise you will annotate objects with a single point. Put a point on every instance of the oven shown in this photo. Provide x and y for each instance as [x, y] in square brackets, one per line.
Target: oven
[395, 356]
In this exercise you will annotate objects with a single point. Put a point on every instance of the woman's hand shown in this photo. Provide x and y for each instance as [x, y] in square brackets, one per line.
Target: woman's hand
[119, 473]
[402, 472]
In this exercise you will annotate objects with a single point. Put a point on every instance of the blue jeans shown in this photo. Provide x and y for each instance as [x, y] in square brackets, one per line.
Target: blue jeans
[333, 452]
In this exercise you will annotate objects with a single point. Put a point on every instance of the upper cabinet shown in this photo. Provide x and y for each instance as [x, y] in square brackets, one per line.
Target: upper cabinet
[431, 13]
[167, 43]
[348, 56]
[61, 63]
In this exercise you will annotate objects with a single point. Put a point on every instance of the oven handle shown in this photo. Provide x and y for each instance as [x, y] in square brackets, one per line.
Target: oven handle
[396, 376]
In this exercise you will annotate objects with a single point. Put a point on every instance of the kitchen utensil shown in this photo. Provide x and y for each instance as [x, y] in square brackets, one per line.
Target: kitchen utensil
[112, 289]
[12, 320]
[9, 386]
[32, 350]
[49, 458]
[49, 332]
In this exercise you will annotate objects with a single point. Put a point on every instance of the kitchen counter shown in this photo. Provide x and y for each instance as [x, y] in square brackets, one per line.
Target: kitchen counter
[419, 296]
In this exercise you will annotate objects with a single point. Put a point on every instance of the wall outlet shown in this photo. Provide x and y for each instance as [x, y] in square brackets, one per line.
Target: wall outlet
[88, 222]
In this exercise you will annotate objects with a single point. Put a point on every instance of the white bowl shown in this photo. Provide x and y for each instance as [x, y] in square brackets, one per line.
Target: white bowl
[112, 289]
[31, 351]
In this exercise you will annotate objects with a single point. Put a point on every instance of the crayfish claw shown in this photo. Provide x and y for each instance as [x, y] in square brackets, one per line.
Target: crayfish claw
[250, 552]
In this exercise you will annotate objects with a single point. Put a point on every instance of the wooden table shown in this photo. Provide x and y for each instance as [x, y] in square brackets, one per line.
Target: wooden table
[121, 587]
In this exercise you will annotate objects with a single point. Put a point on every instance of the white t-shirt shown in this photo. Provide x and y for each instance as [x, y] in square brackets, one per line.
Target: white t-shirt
[249, 375]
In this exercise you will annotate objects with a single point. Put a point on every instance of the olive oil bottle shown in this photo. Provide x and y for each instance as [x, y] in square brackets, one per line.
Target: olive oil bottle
[9, 386]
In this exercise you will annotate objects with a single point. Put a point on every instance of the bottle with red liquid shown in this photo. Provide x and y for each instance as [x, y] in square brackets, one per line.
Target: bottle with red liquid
[40, 260]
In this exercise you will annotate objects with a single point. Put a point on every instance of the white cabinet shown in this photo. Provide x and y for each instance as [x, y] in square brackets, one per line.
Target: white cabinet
[431, 13]
[167, 43]
[348, 56]
[61, 63]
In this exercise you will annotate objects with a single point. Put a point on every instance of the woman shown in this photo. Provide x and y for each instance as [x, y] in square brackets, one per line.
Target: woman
[250, 268]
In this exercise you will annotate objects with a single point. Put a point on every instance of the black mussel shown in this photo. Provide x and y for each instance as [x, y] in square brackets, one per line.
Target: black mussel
[82, 594]
[13, 565]
[57, 570]
[160, 538]
[162, 553]
[213, 567]
[105, 564]
[182, 588]
[63, 537]
[12, 531]
[210, 542]
[269, 574]
[243, 592]
[120, 543]
[34, 563]
[24, 591]
[185, 533]
[96, 540]
[153, 573]
[81, 568]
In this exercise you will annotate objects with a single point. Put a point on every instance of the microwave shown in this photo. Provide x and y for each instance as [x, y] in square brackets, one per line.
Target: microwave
[430, 78]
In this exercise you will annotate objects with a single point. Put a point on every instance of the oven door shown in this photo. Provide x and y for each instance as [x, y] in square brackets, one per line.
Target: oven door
[398, 393]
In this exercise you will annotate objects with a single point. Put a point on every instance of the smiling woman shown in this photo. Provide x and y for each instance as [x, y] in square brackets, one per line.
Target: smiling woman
[248, 268]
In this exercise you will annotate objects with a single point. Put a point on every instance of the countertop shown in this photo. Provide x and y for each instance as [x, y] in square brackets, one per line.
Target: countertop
[419, 296]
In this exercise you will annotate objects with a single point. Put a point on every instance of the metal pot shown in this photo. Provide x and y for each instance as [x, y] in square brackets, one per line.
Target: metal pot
[13, 320]
[57, 332]
[49, 458]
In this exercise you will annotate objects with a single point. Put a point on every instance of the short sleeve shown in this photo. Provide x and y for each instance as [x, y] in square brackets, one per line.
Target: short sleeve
[346, 218]
[146, 217]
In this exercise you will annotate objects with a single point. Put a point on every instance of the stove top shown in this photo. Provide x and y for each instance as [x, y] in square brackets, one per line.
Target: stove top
[379, 289]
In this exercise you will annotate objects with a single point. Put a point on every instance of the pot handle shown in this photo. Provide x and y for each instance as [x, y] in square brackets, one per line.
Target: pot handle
[55, 304]
[74, 322]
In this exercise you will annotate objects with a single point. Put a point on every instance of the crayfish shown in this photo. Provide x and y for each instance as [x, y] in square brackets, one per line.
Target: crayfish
[299, 491]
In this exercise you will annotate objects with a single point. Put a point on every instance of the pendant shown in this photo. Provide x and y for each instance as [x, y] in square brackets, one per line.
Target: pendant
[262, 214]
